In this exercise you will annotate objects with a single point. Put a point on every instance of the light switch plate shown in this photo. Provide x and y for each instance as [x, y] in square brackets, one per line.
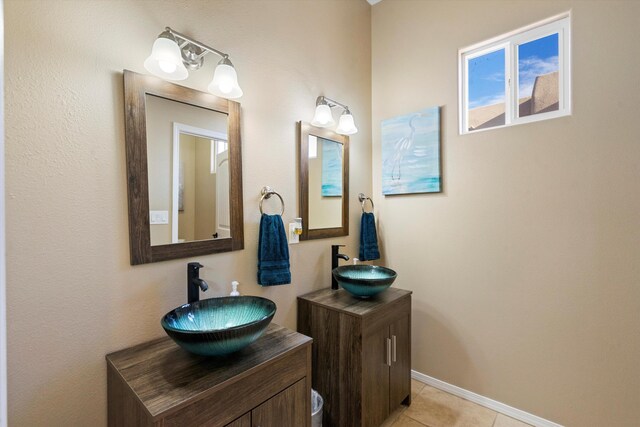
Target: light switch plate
[158, 217]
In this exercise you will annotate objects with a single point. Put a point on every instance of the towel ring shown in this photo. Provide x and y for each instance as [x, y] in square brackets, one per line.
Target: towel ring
[267, 192]
[363, 199]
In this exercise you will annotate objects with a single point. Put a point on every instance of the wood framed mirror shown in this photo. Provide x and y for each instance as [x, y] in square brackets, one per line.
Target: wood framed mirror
[324, 182]
[184, 171]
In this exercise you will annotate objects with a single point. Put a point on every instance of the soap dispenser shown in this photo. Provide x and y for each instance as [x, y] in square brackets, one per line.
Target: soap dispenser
[234, 289]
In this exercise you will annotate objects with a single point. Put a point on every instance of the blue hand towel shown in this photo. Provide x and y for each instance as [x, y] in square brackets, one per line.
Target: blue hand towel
[273, 252]
[368, 237]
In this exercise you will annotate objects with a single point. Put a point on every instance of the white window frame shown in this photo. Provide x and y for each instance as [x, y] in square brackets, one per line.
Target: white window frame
[560, 24]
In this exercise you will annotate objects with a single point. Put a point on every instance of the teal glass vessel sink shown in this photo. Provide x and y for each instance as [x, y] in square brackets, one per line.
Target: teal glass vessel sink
[364, 281]
[219, 326]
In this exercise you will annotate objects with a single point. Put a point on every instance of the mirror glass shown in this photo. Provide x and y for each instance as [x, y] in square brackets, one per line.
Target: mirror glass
[325, 182]
[188, 172]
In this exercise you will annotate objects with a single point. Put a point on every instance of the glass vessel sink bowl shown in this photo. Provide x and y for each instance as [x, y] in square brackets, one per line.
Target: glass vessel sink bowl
[364, 281]
[219, 326]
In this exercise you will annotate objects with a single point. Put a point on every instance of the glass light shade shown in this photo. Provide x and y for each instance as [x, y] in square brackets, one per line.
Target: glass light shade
[166, 60]
[225, 81]
[346, 126]
[323, 117]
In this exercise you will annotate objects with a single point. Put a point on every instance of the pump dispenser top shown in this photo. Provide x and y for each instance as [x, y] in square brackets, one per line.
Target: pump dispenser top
[234, 289]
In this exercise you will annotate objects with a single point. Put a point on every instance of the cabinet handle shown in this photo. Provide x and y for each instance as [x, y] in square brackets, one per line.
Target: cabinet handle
[388, 352]
[394, 341]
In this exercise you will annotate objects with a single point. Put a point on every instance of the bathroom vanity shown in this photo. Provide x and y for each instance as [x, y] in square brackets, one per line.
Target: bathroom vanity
[361, 353]
[267, 384]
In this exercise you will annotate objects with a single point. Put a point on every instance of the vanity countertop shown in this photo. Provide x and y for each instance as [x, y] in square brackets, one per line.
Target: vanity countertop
[165, 378]
[343, 301]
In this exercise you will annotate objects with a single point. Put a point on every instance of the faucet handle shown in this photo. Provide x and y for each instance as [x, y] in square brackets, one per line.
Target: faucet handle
[338, 246]
[195, 265]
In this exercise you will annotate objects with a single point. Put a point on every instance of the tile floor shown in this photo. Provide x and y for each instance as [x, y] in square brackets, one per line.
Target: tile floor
[431, 407]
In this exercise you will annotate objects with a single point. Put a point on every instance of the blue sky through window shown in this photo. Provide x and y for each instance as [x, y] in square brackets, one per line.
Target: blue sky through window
[536, 58]
[486, 79]
[487, 72]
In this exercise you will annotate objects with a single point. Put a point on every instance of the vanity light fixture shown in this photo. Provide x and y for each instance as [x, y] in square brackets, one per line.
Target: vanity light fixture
[323, 117]
[173, 54]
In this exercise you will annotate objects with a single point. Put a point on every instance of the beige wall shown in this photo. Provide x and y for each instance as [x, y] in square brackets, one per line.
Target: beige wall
[205, 197]
[72, 295]
[525, 271]
[186, 217]
[3, 277]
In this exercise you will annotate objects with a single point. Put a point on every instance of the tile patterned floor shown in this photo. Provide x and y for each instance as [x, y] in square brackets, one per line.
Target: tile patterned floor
[431, 407]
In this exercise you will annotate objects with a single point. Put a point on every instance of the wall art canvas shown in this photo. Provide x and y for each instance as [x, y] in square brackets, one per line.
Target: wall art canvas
[331, 168]
[411, 153]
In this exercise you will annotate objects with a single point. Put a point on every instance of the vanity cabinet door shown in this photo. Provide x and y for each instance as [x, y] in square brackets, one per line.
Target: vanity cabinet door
[354, 367]
[375, 377]
[288, 408]
[243, 421]
[399, 377]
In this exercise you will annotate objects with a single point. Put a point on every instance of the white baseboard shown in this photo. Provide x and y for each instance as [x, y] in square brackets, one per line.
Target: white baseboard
[507, 410]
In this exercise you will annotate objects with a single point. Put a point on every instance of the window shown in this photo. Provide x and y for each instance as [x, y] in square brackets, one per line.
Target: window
[218, 147]
[313, 146]
[520, 77]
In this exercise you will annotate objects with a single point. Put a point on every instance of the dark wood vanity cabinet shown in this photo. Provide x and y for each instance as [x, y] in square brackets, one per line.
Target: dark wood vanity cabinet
[284, 409]
[267, 384]
[361, 353]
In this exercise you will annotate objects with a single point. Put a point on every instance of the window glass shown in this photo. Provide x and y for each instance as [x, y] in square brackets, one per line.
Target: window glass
[520, 77]
[486, 90]
[538, 73]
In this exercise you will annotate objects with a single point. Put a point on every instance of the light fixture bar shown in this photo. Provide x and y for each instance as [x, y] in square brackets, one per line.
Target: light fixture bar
[330, 102]
[173, 54]
[324, 118]
[189, 40]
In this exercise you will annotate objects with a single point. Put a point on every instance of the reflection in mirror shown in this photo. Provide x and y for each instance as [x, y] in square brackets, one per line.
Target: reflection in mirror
[325, 183]
[187, 155]
[184, 171]
[200, 202]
